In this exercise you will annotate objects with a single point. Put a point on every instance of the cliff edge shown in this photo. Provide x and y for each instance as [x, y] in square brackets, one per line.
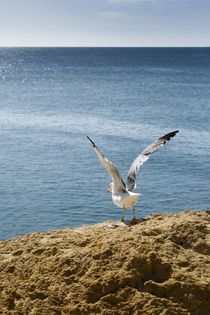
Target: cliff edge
[161, 265]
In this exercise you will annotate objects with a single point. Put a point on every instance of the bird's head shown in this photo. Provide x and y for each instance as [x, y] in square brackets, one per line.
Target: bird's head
[109, 189]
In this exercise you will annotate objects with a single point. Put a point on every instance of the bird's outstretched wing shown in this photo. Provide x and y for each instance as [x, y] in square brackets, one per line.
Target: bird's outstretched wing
[144, 156]
[118, 183]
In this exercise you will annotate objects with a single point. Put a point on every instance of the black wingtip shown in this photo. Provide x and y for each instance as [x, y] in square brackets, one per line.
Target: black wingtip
[91, 141]
[169, 135]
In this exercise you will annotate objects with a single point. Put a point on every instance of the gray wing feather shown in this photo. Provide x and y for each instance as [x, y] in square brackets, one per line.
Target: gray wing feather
[118, 183]
[144, 156]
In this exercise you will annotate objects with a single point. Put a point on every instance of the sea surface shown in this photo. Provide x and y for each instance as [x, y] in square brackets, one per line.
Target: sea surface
[123, 98]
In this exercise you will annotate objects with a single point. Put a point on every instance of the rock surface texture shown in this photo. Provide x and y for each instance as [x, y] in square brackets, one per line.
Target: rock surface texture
[160, 265]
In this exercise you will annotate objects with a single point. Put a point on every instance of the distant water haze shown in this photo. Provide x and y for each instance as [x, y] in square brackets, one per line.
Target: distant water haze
[123, 98]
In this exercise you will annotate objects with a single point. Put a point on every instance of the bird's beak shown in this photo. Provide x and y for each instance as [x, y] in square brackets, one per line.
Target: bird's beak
[109, 189]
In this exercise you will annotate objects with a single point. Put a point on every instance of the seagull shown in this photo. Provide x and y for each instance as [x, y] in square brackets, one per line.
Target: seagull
[123, 195]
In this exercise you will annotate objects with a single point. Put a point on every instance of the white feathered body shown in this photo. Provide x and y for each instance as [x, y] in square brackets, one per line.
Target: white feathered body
[126, 199]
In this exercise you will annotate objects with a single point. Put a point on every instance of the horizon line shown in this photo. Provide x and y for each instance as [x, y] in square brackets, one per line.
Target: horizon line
[87, 46]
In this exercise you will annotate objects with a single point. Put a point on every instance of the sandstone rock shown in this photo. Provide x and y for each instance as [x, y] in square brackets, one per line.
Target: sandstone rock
[161, 265]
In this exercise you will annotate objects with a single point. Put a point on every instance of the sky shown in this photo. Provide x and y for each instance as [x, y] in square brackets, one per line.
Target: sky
[139, 23]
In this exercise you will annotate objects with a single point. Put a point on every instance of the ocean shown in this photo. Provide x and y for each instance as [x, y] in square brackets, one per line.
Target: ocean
[124, 99]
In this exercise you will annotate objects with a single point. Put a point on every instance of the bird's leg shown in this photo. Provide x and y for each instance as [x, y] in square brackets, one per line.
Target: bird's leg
[134, 213]
[123, 214]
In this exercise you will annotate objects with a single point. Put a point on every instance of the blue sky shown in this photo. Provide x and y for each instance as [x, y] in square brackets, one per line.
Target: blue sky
[105, 23]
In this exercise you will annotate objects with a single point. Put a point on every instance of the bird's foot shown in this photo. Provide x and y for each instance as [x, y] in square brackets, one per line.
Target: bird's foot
[134, 220]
